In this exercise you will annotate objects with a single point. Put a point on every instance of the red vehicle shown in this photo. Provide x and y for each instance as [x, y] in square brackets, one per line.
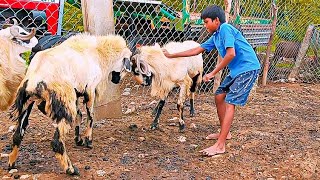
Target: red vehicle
[42, 14]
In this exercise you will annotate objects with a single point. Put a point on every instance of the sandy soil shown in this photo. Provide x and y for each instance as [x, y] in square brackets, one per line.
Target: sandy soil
[275, 136]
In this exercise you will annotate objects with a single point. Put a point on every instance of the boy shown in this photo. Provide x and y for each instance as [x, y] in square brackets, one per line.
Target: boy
[244, 68]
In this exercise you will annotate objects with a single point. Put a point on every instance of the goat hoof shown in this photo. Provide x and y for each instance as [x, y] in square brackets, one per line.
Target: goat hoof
[182, 128]
[75, 172]
[88, 143]
[154, 126]
[78, 142]
[192, 113]
[12, 166]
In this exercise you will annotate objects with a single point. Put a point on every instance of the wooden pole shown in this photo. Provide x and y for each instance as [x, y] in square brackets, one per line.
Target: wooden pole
[273, 29]
[217, 77]
[302, 52]
[98, 20]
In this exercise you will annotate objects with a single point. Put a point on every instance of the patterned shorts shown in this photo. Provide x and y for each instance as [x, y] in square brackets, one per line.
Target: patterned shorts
[238, 88]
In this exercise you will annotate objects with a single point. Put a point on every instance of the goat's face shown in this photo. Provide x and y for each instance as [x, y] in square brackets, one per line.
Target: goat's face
[19, 36]
[141, 71]
[121, 67]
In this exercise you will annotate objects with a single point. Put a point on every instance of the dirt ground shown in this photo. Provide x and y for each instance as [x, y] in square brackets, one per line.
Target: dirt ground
[275, 136]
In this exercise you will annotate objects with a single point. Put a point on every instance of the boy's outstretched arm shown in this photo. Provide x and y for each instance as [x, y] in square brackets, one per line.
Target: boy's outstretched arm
[187, 53]
[230, 54]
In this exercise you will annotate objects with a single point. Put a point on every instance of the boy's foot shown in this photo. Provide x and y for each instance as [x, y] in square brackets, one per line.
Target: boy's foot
[212, 151]
[216, 136]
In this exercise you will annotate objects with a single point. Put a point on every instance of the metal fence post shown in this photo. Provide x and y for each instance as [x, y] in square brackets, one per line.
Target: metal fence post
[98, 19]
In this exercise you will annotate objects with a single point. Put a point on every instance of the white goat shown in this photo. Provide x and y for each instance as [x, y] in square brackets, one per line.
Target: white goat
[151, 66]
[83, 65]
[14, 40]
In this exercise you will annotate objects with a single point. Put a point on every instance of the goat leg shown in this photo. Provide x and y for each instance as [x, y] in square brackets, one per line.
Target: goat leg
[89, 107]
[181, 121]
[23, 121]
[58, 146]
[193, 90]
[78, 140]
[155, 123]
[155, 110]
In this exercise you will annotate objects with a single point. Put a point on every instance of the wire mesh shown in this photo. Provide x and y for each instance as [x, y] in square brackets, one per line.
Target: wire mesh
[146, 22]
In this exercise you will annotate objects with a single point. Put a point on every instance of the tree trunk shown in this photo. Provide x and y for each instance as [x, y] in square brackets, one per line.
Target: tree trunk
[98, 20]
[302, 52]
[273, 29]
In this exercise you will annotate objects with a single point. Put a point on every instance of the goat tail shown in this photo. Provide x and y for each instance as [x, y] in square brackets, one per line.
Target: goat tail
[21, 101]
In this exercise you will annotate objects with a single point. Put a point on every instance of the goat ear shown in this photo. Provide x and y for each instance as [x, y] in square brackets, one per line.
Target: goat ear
[127, 64]
[157, 45]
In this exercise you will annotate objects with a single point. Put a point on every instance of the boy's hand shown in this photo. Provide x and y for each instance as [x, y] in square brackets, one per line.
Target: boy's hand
[207, 77]
[166, 53]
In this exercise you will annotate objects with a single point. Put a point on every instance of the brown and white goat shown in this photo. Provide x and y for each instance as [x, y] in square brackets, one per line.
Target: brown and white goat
[152, 67]
[83, 65]
[14, 40]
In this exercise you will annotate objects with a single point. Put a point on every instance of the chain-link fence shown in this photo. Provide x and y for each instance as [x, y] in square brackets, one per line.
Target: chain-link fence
[146, 22]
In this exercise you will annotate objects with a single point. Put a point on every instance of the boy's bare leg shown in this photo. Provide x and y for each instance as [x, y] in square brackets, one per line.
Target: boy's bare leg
[219, 146]
[221, 110]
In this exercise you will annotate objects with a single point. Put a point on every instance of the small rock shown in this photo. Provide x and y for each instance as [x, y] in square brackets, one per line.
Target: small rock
[133, 127]
[126, 93]
[153, 102]
[182, 139]
[193, 146]
[192, 125]
[130, 110]
[172, 124]
[216, 156]
[127, 90]
[25, 176]
[105, 159]
[270, 178]
[111, 139]
[11, 128]
[87, 167]
[142, 155]
[4, 155]
[32, 162]
[17, 176]
[292, 79]
[6, 177]
[13, 171]
[141, 139]
[101, 173]
[173, 119]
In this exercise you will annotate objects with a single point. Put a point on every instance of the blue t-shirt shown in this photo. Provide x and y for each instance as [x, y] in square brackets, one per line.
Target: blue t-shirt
[228, 36]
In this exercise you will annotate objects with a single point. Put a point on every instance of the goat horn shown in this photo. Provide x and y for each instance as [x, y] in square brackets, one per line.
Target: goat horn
[15, 22]
[143, 66]
[14, 30]
[8, 24]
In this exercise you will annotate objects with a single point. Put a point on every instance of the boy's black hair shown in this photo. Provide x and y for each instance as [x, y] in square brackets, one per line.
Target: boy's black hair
[213, 12]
